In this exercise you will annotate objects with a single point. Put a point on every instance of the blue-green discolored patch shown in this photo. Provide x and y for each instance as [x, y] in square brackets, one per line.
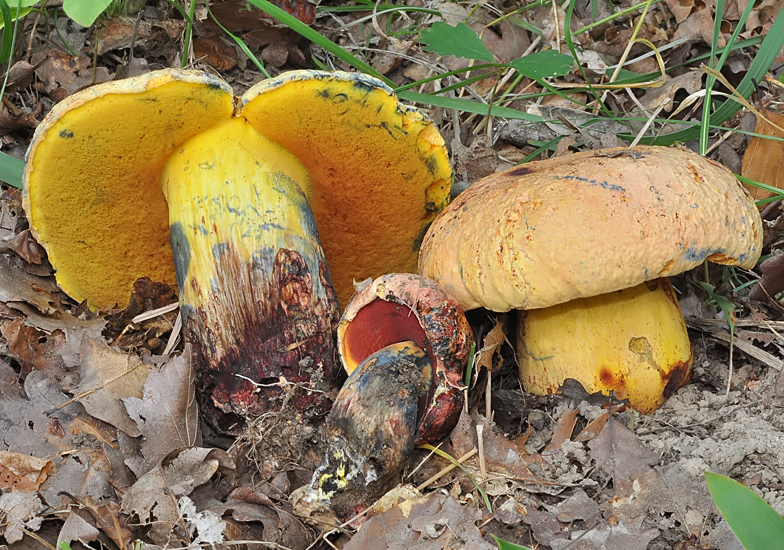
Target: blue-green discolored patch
[182, 254]
[66, 134]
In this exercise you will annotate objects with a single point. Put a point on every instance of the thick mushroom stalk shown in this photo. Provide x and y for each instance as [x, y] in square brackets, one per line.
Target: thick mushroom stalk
[568, 229]
[639, 347]
[255, 293]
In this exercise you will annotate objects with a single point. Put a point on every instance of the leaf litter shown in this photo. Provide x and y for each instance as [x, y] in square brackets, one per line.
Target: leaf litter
[101, 439]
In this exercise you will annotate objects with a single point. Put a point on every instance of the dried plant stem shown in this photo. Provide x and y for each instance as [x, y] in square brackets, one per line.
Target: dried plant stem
[446, 470]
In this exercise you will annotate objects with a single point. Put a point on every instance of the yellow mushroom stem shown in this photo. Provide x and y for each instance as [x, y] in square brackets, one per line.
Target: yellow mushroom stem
[632, 341]
[255, 293]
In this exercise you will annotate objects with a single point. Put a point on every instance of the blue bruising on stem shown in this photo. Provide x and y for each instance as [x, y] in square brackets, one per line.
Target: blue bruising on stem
[182, 254]
[219, 249]
[529, 355]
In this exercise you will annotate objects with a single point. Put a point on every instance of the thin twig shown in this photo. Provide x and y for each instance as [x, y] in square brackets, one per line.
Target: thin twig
[446, 470]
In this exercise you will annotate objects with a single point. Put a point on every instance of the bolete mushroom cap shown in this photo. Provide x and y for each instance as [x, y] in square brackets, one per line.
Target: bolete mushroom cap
[587, 224]
[379, 172]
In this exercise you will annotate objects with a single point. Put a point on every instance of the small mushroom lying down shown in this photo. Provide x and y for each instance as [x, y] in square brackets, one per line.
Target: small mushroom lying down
[403, 306]
[167, 176]
[372, 427]
[405, 343]
[584, 244]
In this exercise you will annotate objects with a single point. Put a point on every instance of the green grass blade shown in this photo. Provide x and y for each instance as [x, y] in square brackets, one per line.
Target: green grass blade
[706, 106]
[256, 61]
[11, 170]
[302, 29]
[503, 545]
[754, 522]
[447, 456]
[760, 64]
[8, 33]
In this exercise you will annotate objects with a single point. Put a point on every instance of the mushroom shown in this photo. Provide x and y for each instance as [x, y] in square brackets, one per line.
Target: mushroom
[401, 306]
[594, 232]
[166, 176]
[372, 428]
[404, 342]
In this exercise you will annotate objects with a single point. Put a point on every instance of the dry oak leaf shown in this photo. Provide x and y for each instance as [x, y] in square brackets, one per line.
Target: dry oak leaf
[19, 512]
[491, 346]
[425, 523]
[20, 472]
[76, 528]
[110, 376]
[772, 281]
[763, 158]
[166, 415]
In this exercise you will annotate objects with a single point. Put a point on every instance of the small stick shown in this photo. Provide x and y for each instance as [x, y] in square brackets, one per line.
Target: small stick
[446, 470]
[174, 336]
[155, 312]
[88, 392]
[481, 444]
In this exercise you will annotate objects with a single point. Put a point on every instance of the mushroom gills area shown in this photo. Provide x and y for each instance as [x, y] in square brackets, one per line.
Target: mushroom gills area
[255, 293]
[376, 326]
[632, 342]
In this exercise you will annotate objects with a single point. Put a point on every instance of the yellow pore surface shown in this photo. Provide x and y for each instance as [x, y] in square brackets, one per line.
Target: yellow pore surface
[631, 341]
[380, 171]
[92, 183]
[231, 191]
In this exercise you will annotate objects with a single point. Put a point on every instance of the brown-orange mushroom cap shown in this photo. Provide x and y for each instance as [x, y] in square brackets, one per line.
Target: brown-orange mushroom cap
[586, 224]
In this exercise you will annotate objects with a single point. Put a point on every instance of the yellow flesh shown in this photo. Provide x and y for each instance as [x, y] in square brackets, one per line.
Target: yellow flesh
[628, 341]
[380, 172]
[95, 189]
[230, 187]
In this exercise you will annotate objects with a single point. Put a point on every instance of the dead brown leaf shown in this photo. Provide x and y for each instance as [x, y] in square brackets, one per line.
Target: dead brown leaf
[593, 428]
[62, 74]
[152, 503]
[654, 97]
[110, 376]
[772, 281]
[763, 158]
[19, 512]
[563, 430]
[12, 121]
[213, 50]
[26, 246]
[74, 329]
[35, 349]
[146, 295]
[167, 414]
[620, 454]
[76, 528]
[16, 285]
[427, 523]
[491, 347]
[20, 472]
